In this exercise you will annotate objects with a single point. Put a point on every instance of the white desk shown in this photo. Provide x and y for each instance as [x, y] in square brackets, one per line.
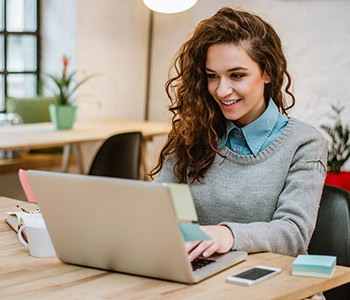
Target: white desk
[43, 135]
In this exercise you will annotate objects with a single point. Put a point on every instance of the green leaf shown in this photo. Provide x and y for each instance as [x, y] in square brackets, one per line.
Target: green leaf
[80, 83]
[339, 147]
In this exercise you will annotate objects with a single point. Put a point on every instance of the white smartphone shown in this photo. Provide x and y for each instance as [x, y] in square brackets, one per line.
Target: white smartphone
[253, 275]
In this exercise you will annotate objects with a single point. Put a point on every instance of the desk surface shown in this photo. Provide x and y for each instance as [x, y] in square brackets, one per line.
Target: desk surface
[26, 277]
[42, 135]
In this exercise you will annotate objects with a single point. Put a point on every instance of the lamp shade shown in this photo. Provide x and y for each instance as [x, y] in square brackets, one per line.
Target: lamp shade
[169, 6]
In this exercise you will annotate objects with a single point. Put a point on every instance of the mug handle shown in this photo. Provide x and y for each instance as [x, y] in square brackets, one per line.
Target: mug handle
[21, 237]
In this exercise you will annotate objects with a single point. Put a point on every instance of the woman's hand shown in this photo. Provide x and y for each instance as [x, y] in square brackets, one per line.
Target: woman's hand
[221, 242]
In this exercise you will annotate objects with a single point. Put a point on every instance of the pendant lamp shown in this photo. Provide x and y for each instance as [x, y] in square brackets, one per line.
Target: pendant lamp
[169, 6]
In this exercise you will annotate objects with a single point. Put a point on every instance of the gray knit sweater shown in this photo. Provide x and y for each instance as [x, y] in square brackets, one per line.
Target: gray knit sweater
[270, 202]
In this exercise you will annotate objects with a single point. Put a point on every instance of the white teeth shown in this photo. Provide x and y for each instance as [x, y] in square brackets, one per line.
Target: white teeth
[229, 102]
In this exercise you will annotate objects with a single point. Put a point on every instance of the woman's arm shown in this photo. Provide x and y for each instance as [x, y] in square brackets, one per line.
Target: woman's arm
[293, 222]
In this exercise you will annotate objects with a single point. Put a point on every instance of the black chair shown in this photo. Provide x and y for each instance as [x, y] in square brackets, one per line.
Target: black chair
[119, 156]
[332, 233]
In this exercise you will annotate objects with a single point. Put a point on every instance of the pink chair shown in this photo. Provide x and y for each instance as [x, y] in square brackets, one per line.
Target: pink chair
[23, 178]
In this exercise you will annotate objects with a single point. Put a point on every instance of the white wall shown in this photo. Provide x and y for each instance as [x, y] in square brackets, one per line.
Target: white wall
[59, 36]
[112, 41]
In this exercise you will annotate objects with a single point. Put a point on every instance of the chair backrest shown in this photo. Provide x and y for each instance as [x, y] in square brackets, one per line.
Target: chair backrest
[332, 233]
[119, 156]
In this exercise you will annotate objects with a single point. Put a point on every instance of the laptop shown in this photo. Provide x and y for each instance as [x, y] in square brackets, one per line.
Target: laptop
[121, 225]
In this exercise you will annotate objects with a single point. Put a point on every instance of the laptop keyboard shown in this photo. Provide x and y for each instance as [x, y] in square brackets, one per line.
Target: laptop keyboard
[201, 262]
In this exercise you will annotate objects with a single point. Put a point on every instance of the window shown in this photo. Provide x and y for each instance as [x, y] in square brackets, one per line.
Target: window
[19, 49]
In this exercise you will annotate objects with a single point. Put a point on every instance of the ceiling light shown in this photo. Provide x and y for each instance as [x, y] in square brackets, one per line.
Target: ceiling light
[169, 6]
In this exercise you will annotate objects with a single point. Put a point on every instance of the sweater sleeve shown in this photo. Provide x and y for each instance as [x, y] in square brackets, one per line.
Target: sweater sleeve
[293, 222]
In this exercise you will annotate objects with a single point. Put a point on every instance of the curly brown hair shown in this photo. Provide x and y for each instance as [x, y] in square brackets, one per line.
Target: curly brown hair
[197, 122]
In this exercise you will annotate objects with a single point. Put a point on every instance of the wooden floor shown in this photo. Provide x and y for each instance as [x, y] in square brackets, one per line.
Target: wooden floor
[32, 161]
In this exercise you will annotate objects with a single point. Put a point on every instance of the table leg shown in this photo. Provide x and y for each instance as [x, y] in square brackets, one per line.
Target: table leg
[67, 150]
[65, 158]
[79, 157]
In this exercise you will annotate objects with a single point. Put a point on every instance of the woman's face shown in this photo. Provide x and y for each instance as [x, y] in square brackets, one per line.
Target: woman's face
[236, 83]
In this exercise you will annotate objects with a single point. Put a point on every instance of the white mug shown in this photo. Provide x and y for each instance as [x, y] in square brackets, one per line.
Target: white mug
[39, 242]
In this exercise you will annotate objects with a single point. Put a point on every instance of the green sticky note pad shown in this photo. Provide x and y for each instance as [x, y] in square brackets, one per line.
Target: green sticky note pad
[314, 265]
[192, 232]
[183, 202]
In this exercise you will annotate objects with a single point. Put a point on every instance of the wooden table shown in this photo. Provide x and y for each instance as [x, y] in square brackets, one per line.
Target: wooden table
[43, 135]
[26, 277]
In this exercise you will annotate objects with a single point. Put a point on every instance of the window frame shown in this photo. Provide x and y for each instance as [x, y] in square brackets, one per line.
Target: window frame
[5, 35]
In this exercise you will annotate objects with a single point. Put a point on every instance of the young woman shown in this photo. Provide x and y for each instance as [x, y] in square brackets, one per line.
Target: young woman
[256, 175]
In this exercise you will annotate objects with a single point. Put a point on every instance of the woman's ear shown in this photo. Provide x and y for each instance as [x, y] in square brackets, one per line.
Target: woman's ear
[266, 78]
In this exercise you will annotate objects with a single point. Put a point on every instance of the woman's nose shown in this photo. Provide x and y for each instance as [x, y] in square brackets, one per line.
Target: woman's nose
[224, 88]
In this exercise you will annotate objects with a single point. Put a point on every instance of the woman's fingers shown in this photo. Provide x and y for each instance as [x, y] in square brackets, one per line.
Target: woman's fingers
[201, 247]
[211, 250]
[190, 245]
[221, 242]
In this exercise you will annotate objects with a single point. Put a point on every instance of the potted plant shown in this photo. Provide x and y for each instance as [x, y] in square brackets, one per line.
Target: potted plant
[339, 150]
[63, 113]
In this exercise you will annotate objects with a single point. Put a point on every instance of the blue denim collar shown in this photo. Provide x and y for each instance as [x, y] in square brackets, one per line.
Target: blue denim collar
[257, 132]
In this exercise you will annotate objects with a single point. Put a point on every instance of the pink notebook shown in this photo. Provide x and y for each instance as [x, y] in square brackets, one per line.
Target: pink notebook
[23, 178]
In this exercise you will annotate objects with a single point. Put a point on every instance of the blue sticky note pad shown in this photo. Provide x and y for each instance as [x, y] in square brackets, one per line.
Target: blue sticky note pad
[314, 265]
[192, 232]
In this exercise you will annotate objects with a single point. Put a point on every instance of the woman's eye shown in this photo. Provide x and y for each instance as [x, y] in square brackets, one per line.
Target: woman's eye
[212, 76]
[237, 76]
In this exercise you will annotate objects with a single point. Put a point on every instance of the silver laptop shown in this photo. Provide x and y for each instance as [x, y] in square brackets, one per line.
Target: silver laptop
[121, 225]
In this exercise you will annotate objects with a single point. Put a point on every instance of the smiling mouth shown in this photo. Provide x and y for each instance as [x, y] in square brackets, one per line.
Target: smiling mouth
[229, 102]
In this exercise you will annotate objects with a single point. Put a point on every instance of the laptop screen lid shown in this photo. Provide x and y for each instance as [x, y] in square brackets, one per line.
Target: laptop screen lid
[121, 225]
[116, 224]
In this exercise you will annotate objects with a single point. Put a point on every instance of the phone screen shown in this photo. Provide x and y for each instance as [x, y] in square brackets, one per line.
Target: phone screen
[253, 274]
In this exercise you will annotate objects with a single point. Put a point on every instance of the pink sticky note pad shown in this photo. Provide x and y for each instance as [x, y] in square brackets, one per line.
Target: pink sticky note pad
[23, 178]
